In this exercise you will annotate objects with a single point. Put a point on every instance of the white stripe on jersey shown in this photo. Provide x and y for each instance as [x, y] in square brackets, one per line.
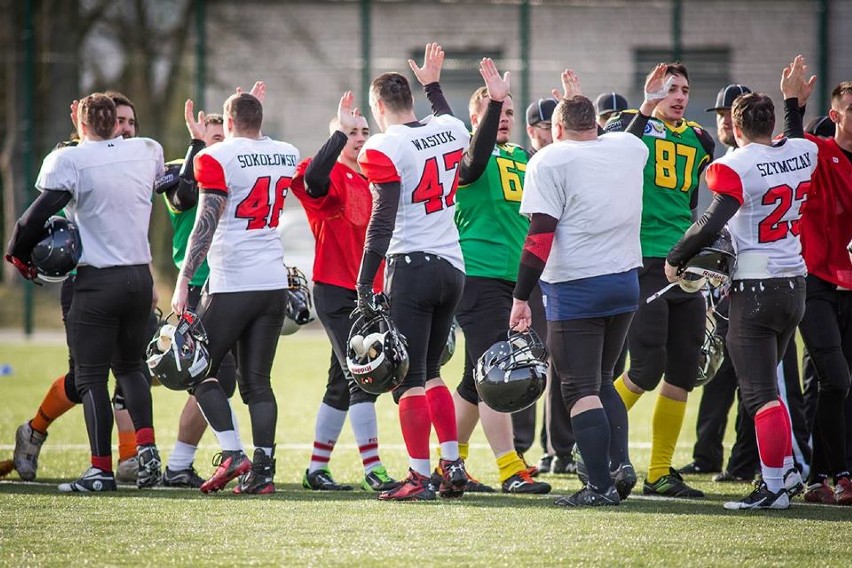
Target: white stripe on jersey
[246, 253]
[427, 159]
[111, 182]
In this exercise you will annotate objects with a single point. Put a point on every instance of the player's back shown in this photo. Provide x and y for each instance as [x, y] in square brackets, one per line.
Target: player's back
[255, 174]
[425, 159]
[772, 183]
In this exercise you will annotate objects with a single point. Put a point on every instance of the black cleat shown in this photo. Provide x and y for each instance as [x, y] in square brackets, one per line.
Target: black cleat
[321, 480]
[588, 497]
[185, 478]
[150, 466]
[259, 480]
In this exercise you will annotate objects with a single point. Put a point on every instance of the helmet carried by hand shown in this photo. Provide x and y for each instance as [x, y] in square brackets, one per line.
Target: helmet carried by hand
[512, 374]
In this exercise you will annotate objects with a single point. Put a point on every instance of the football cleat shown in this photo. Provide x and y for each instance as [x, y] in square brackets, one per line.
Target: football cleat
[588, 497]
[453, 478]
[476, 486]
[321, 480]
[259, 480]
[127, 472]
[545, 463]
[624, 479]
[415, 487]
[187, 478]
[150, 467]
[229, 464]
[522, 482]
[671, 485]
[761, 498]
[377, 479]
[793, 483]
[820, 493]
[563, 465]
[92, 480]
[28, 443]
[728, 477]
[695, 468]
[843, 491]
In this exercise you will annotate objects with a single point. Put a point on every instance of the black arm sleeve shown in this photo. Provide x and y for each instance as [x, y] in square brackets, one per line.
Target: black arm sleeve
[481, 145]
[437, 99]
[28, 229]
[184, 195]
[379, 232]
[637, 125]
[704, 230]
[318, 171]
[188, 170]
[534, 256]
[793, 127]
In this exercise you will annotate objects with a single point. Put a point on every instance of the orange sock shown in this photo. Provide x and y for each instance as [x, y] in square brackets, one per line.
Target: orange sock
[126, 445]
[54, 405]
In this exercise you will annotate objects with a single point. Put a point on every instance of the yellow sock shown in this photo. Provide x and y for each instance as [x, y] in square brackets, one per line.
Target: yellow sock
[464, 450]
[665, 429]
[628, 396]
[509, 464]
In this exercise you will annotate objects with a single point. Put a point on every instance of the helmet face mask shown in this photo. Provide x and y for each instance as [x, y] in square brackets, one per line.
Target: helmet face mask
[712, 354]
[58, 251]
[512, 374]
[450, 345]
[377, 353]
[300, 306]
[177, 356]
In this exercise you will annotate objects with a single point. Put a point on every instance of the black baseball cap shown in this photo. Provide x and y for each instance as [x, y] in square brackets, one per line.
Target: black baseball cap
[610, 102]
[540, 110]
[726, 96]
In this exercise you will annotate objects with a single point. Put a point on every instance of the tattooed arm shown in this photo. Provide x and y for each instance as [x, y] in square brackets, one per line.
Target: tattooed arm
[210, 208]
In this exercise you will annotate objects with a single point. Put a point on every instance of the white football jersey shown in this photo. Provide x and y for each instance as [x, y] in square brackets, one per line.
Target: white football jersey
[771, 183]
[111, 182]
[246, 253]
[425, 159]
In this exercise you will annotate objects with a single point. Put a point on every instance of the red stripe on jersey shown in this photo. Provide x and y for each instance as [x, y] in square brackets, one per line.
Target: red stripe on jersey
[377, 167]
[722, 179]
[209, 173]
[539, 245]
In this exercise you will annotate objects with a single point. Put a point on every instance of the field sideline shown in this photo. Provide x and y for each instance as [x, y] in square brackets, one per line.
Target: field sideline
[295, 527]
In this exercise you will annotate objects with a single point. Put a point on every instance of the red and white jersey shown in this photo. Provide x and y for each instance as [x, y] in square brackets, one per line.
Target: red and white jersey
[771, 183]
[246, 253]
[425, 159]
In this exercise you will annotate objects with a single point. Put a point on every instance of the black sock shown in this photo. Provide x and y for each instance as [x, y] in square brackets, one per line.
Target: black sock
[616, 414]
[591, 430]
[214, 404]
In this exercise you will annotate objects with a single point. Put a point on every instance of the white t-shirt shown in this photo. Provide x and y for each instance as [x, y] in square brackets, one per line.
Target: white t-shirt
[111, 182]
[246, 253]
[425, 160]
[594, 189]
[771, 183]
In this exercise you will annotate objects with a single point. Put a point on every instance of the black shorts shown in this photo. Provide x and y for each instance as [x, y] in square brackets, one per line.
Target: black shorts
[424, 291]
[483, 315]
[666, 335]
[763, 317]
[249, 322]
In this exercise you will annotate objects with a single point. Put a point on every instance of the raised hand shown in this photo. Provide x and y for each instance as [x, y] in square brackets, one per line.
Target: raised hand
[433, 61]
[258, 91]
[656, 84]
[347, 115]
[570, 86]
[197, 128]
[498, 87]
[75, 106]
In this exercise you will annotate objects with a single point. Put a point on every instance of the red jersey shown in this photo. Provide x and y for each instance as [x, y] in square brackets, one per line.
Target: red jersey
[338, 221]
[827, 215]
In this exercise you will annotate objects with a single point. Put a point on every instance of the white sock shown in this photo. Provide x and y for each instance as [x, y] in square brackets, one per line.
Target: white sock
[773, 477]
[229, 440]
[236, 427]
[450, 450]
[788, 463]
[362, 418]
[423, 467]
[326, 432]
[182, 456]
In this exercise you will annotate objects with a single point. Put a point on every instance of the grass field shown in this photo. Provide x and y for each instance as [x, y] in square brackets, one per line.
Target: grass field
[39, 526]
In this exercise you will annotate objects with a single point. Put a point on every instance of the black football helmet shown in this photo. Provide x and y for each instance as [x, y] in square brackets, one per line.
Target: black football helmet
[177, 355]
[712, 353]
[300, 306]
[713, 264]
[450, 345]
[512, 374]
[58, 250]
[377, 353]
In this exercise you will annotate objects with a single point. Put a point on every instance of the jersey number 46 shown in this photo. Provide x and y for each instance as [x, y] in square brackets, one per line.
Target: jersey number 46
[261, 209]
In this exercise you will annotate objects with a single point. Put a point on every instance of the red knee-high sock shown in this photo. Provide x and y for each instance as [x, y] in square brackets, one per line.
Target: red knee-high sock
[443, 411]
[788, 449]
[416, 426]
[770, 425]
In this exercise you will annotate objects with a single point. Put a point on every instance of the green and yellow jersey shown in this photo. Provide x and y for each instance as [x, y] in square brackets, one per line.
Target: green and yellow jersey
[491, 229]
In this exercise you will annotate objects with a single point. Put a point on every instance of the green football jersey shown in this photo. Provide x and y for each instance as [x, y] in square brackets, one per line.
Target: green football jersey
[182, 222]
[491, 228]
[678, 155]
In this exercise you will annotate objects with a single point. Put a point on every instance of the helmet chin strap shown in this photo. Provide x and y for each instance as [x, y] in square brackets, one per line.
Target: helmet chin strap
[660, 293]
